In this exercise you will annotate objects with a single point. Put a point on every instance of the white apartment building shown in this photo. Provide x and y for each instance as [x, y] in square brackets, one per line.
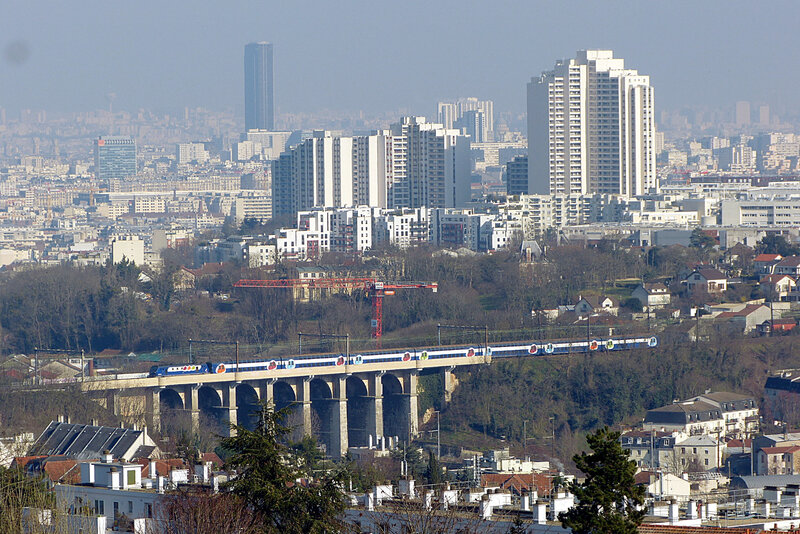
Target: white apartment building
[591, 128]
[480, 113]
[765, 212]
[189, 152]
[252, 205]
[415, 164]
[430, 165]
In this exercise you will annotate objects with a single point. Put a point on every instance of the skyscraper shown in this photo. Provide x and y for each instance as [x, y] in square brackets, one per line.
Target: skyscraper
[114, 157]
[591, 128]
[259, 110]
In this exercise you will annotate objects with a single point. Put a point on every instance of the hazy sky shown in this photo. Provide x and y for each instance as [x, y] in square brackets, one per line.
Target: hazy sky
[377, 55]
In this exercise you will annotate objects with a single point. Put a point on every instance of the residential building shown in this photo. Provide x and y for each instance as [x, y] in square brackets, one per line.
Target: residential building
[591, 128]
[788, 266]
[127, 247]
[722, 413]
[707, 279]
[259, 105]
[114, 157]
[516, 176]
[764, 264]
[652, 295]
[748, 318]
[92, 442]
[190, 152]
[252, 205]
[593, 304]
[431, 166]
[474, 117]
[779, 460]
[761, 212]
[777, 286]
[782, 395]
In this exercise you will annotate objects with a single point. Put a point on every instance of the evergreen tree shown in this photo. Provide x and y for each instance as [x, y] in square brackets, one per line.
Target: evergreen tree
[433, 473]
[267, 478]
[608, 499]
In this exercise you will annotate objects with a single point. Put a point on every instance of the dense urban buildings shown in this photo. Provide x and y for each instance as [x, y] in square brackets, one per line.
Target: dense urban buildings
[259, 105]
[591, 126]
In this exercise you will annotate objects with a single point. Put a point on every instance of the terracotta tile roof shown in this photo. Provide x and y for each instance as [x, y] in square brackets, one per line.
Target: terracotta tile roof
[22, 461]
[63, 471]
[781, 450]
[163, 467]
[767, 257]
[518, 482]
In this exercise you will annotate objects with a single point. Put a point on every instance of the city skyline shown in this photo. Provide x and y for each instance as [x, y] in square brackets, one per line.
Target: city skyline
[333, 61]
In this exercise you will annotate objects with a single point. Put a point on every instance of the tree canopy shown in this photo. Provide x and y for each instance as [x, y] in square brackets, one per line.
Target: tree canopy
[608, 499]
[270, 479]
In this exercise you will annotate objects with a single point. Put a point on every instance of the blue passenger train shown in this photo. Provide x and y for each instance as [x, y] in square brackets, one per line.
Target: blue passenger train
[502, 350]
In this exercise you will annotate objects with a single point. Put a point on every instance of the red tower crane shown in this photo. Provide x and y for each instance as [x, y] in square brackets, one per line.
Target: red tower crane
[375, 289]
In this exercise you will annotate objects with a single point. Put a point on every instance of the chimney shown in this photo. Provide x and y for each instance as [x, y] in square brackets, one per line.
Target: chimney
[113, 479]
[674, 513]
[485, 508]
[540, 512]
[108, 458]
[524, 502]
[153, 471]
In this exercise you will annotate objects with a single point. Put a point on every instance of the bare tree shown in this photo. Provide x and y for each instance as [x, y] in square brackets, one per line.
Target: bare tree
[184, 512]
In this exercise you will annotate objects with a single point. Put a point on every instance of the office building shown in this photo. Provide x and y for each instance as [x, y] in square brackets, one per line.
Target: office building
[591, 128]
[114, 157]
[259, 106]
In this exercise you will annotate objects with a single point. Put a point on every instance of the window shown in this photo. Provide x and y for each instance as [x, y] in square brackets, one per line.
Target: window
[131, 477]
[130, 507]
[148, 509]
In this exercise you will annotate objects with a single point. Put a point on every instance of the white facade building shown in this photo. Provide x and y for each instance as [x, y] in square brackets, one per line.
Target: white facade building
[591, 128]
[189, 152]
[128, 247]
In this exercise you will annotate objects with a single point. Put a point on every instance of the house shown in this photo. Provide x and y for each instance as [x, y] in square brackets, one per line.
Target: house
[652, 295]
[779, 460]
[779, 326]
[764, 264]
[739, 412]
[707, 279]
[87, 442]
[770, 442]
[13, 446]
[748, 318]
[592, 304]
[789, 265]
[777, 286]
[651, 449]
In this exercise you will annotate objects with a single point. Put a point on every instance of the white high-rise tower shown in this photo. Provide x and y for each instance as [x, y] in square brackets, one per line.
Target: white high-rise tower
[591, 128]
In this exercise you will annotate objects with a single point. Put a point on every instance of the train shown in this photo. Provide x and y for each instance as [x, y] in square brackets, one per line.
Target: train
[502, 350]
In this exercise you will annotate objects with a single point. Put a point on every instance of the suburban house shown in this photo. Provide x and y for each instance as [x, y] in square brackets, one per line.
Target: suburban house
[708, 280]
[771, 442]
[789, 265]
[591, 304]
[777, 286]
[779, 460]
[652, 295]
[764, 264]
[748, 318]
